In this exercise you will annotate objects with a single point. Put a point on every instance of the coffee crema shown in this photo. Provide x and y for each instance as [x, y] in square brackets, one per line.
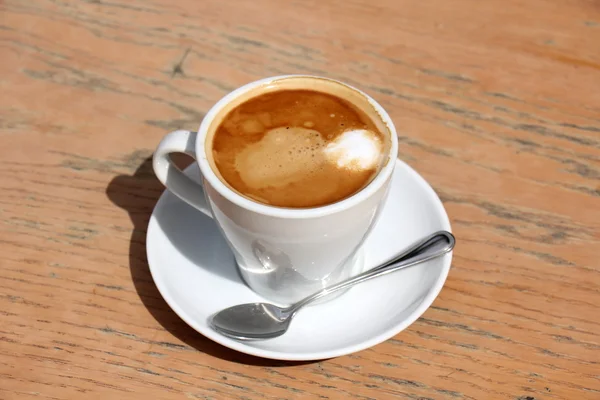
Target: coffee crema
[298, 148]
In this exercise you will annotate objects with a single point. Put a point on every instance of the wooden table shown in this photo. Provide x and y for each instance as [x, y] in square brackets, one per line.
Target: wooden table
[498, 107]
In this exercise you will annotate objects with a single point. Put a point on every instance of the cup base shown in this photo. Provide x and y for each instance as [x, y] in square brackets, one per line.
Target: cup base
[288, 287]
[357, 268]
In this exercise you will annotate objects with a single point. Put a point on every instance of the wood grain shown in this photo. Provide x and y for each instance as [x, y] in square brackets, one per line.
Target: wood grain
[497, 104]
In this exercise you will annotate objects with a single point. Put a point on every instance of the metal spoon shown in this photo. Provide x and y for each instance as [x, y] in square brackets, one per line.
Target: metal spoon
[252, 321]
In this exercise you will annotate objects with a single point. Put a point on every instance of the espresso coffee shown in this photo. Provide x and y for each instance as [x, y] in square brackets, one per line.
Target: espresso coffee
[297, 148]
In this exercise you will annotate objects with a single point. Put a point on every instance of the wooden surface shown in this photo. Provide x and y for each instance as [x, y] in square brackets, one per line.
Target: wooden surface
[497, 104]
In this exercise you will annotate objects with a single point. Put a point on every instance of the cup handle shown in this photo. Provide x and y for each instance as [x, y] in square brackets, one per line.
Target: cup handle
[172, 177]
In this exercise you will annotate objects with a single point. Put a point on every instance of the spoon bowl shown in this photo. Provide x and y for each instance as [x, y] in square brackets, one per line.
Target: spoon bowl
[252, 321]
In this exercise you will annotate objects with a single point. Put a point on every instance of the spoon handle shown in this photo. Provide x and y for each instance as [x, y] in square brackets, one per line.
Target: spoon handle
[426, 249]
[422, 246]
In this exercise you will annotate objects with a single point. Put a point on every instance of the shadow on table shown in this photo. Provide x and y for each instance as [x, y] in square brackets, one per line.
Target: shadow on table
[137, 194]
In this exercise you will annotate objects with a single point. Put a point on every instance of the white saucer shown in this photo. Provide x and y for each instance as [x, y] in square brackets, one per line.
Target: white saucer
[195, 272]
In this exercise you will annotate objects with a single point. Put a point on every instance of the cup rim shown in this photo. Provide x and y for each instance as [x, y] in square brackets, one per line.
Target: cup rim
[283, 212]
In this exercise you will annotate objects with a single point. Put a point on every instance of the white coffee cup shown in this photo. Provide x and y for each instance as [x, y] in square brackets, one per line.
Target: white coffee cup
[283, 254]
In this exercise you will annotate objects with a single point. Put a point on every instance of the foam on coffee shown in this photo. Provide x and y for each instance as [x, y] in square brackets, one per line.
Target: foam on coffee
[358, 149]
[281, 157]
[297, 148]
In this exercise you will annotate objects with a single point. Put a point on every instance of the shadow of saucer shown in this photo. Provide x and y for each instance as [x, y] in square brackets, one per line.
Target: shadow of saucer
[138, 194]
